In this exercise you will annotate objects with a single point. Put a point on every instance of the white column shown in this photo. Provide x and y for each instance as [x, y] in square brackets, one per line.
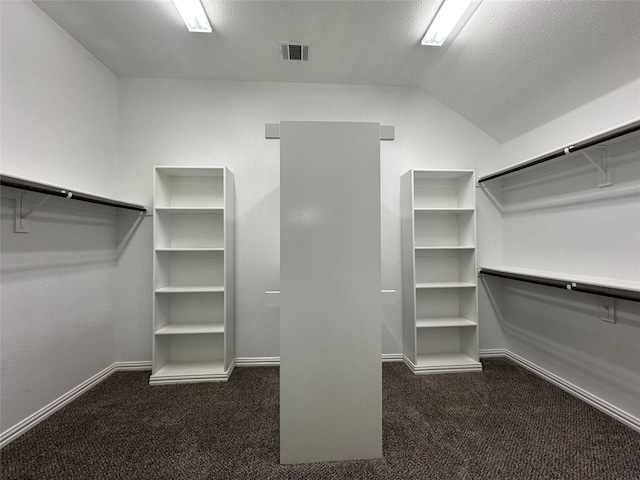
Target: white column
[330, 317]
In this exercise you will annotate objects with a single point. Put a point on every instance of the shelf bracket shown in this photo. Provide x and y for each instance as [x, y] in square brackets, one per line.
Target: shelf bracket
[602, 166]
[21, 216]
[127, 225]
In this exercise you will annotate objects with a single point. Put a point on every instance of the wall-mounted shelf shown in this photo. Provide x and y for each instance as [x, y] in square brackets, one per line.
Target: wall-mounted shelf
[445, 285]
[189, 210]
[599, 163]
[189, 329]
[56, 191]
[211, 289]
[24, 207]
[621, 289]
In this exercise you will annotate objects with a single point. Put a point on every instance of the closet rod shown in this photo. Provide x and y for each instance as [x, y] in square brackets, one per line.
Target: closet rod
[23, 184]
[620, 293]
[590, 142]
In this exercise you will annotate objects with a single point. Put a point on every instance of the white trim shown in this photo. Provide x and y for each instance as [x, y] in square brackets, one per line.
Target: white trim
[392, 357]
[429, 370]
[127, 366]
[174, 379]
[602, 405]
[196, 378]
[492, 352]
[409, 363]
[275, 361]
[258, 361]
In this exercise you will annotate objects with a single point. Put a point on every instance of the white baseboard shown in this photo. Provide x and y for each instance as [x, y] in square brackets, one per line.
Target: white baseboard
[430, 370]
[602, 405]
[492, 352]
[192, 378]
[392, 357]
[275, 361]
[126, 366]
[257, 361]
[32, 420]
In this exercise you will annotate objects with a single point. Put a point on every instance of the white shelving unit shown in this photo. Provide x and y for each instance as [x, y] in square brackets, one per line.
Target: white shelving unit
[440, 327]
[193, 275]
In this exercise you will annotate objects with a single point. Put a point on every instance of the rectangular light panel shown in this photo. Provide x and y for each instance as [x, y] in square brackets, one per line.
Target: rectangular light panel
[444, 22]
[193, 15]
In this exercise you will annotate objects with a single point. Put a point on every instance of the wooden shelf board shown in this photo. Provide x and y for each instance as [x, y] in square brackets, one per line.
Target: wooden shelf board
[212, 367]
[189, 210]
[444, 322]
[189, 289]
[450, 247]
[199, 328]
[444, 210]
[444, 359]
[190, 249]
[445, 285]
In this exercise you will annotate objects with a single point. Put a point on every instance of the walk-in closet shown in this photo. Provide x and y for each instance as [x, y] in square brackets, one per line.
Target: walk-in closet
[313, 239]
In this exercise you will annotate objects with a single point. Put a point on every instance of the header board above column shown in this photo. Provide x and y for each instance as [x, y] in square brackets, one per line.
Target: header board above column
[272, 132]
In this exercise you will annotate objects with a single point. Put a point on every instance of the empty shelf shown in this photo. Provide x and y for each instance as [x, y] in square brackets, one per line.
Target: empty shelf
[445, 285]
[444, 322]
[448, 359]
[189, 289]
[443, 210]
[177, 329]
[212, 367]
[49, 189]
[190, 249]
[190, 209]
[451, 247]
[590, 142]
[609, 287]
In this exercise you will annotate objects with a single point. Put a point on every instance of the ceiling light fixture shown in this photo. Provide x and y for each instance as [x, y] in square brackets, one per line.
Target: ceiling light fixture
[446, 19]
[193, 15]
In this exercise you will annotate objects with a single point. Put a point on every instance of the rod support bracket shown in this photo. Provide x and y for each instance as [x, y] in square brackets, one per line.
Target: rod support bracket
[21, 222]
[22, 212]
[601, 162]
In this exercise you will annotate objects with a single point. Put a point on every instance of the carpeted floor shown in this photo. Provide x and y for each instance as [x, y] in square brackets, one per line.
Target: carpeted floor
[503, 423]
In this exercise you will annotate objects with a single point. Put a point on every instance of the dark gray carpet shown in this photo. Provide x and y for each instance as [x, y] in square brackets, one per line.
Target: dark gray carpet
[503, 423]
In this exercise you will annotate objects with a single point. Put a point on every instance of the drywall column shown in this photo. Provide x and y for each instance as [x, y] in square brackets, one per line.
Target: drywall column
[330, 316]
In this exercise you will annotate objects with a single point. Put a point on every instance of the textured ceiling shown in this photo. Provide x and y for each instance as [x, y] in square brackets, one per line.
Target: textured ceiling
[516, 64]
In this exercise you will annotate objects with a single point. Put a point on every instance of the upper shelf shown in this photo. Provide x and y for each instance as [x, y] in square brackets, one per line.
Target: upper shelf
[47, 189]
[608, 287]
[613, 134]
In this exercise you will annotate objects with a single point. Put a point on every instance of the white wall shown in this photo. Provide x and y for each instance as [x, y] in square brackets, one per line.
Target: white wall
[618, 107]
[193, 122]
[59, 105]
[59, 125]
[557, 219]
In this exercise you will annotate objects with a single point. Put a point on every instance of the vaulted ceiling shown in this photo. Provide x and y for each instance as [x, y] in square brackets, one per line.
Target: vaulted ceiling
[515, 65]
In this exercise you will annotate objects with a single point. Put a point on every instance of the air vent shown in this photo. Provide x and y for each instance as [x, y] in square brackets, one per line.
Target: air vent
[294, 51]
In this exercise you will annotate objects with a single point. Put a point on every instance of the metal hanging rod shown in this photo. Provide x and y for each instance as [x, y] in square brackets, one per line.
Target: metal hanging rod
[613, 292]
[23, 184]
[610, 135]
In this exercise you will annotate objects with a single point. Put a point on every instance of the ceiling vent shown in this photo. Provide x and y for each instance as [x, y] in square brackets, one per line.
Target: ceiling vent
[294, 51]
